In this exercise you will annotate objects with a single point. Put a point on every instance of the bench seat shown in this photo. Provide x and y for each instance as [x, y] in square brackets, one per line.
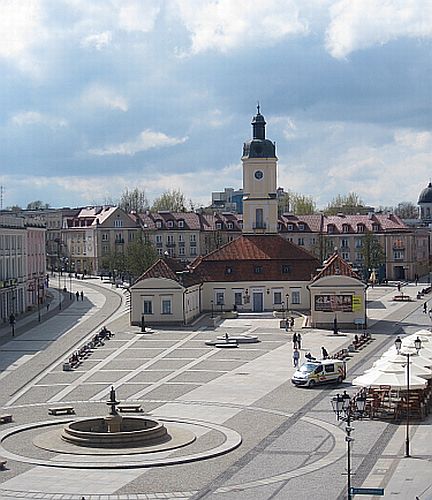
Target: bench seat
[131, 407]
[69, 410]
[5, 419]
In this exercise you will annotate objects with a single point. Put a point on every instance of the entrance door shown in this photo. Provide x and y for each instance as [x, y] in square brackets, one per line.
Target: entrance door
[258, 302]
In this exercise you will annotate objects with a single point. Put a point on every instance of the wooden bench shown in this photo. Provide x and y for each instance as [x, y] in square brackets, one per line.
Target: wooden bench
[5, 419]
[130, 407]
[3, 462]
[402, 298]
[68, 410]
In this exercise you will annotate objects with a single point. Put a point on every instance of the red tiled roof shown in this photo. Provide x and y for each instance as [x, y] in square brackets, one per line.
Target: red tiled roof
[170, 269]
[335, 265]
[257, 258]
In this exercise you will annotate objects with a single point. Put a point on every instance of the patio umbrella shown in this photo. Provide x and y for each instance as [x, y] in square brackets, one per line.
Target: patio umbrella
[398, 367]
[398, 358]
[397, 380]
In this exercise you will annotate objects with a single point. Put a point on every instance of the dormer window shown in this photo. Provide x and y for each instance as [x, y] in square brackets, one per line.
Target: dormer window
[180, 224]
[170, 224]
[330, 228]
[258, 269]
[345, 228]
[285, 269]
[360, 228]
[375, 228]
[290, 227]
[228, 270]
[158, 224]
[218, 225]
[301, 227]
[230, 225]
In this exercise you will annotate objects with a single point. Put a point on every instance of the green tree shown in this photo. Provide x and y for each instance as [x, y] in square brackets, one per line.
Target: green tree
[406, 210]
[37, 205]
[302, 204]
[140, 255]
[349, 204]
[372, 251]
[134, 200]
[172, 200]
[114, 262]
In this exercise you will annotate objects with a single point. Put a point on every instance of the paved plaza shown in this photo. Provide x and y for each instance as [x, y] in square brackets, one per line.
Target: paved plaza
[257, 436]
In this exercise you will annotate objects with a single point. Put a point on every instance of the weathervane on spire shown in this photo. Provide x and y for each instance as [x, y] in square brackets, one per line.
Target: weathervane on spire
[258, 107]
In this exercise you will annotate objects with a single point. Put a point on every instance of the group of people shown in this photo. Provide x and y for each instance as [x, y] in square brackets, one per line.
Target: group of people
[289, 323]
[308, 356]
[296, 340]
[78, 295]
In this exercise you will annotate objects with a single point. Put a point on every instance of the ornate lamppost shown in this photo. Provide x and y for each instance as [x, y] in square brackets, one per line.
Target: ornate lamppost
[398, 345]
[348, 409]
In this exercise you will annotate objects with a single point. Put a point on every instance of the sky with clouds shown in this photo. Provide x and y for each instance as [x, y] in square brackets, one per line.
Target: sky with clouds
[102, 95]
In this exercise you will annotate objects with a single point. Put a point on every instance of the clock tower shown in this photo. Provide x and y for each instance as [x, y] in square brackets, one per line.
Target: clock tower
[260, 207]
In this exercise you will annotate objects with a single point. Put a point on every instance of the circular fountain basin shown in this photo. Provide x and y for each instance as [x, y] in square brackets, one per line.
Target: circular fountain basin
[134, 432]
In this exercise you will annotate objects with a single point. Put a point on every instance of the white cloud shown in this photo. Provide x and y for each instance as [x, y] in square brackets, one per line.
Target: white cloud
[98, 40]
[359, 24]
[134, 15]
[148, 139]
[21, 28]
[35, 118]
[100, 96]
[225, 24]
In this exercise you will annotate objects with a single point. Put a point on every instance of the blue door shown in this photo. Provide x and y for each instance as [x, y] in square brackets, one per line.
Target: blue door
[258, 302]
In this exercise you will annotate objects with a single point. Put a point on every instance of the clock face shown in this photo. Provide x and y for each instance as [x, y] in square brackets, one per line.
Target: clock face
[259, 175]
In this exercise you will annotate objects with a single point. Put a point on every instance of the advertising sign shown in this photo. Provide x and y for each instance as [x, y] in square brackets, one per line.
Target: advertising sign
[331, 303]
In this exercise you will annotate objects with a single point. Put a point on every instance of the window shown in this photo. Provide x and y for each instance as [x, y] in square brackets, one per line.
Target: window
[193, 251]
[375, 228]
[344, 242]
[159, 251]
[228, 270]
[237, 298]
[230, 225]
[359, 256]
[166, 306]
[295, 297]
[158, 238]
[118, 223]
[181, 250]
[258, 269]
[345, 228]
[181, 238]
[104, 250]
[277, 297]
[105, 237]
[290, 227]
[358, 243]
[218, 225]
[180, 224]
[148, 307]
[170, 239]
[193, 238]
[158, 224]
[220, 298]
[301, 227]
[329, 368]
[360, 228]
[170, 223]
[300, 241]
[259, 218]
[345, 256]
[398, 254]
[330, 228]
[285, 269]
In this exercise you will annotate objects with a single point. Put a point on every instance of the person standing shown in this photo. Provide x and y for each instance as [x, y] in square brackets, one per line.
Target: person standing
[425, 307]
[324, 352]
[294, 341]
[82, 295]
[77, 295]
[296, 358]
[299, 340]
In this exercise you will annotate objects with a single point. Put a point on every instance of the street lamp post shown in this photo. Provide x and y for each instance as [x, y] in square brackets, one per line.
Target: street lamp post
[287, 304]
[59, 288]
[38, 299]
[348, 410]
[398, 345]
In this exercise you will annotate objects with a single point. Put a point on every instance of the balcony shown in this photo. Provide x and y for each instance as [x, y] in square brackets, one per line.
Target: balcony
[170, 244]
[159, 244]
[261, 226]
[181, 244]
[119, 241]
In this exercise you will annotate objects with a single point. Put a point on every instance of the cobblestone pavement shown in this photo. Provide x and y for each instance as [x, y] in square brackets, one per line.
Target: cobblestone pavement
[257, 436]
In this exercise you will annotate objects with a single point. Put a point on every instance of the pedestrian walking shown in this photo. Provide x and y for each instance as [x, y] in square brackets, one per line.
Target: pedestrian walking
[425, 307]
[399, 287]
[82, 295]
[324, 352]
[291, 322]
[299, 340]
[294, 341]
[286, 324]
[77, 295]
[296, 358]
[48, 306]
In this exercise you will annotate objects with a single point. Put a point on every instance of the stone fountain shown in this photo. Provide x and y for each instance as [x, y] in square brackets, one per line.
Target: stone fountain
[115, 431]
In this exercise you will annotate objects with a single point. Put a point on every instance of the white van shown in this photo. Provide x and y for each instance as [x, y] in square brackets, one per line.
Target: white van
[320, 372]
